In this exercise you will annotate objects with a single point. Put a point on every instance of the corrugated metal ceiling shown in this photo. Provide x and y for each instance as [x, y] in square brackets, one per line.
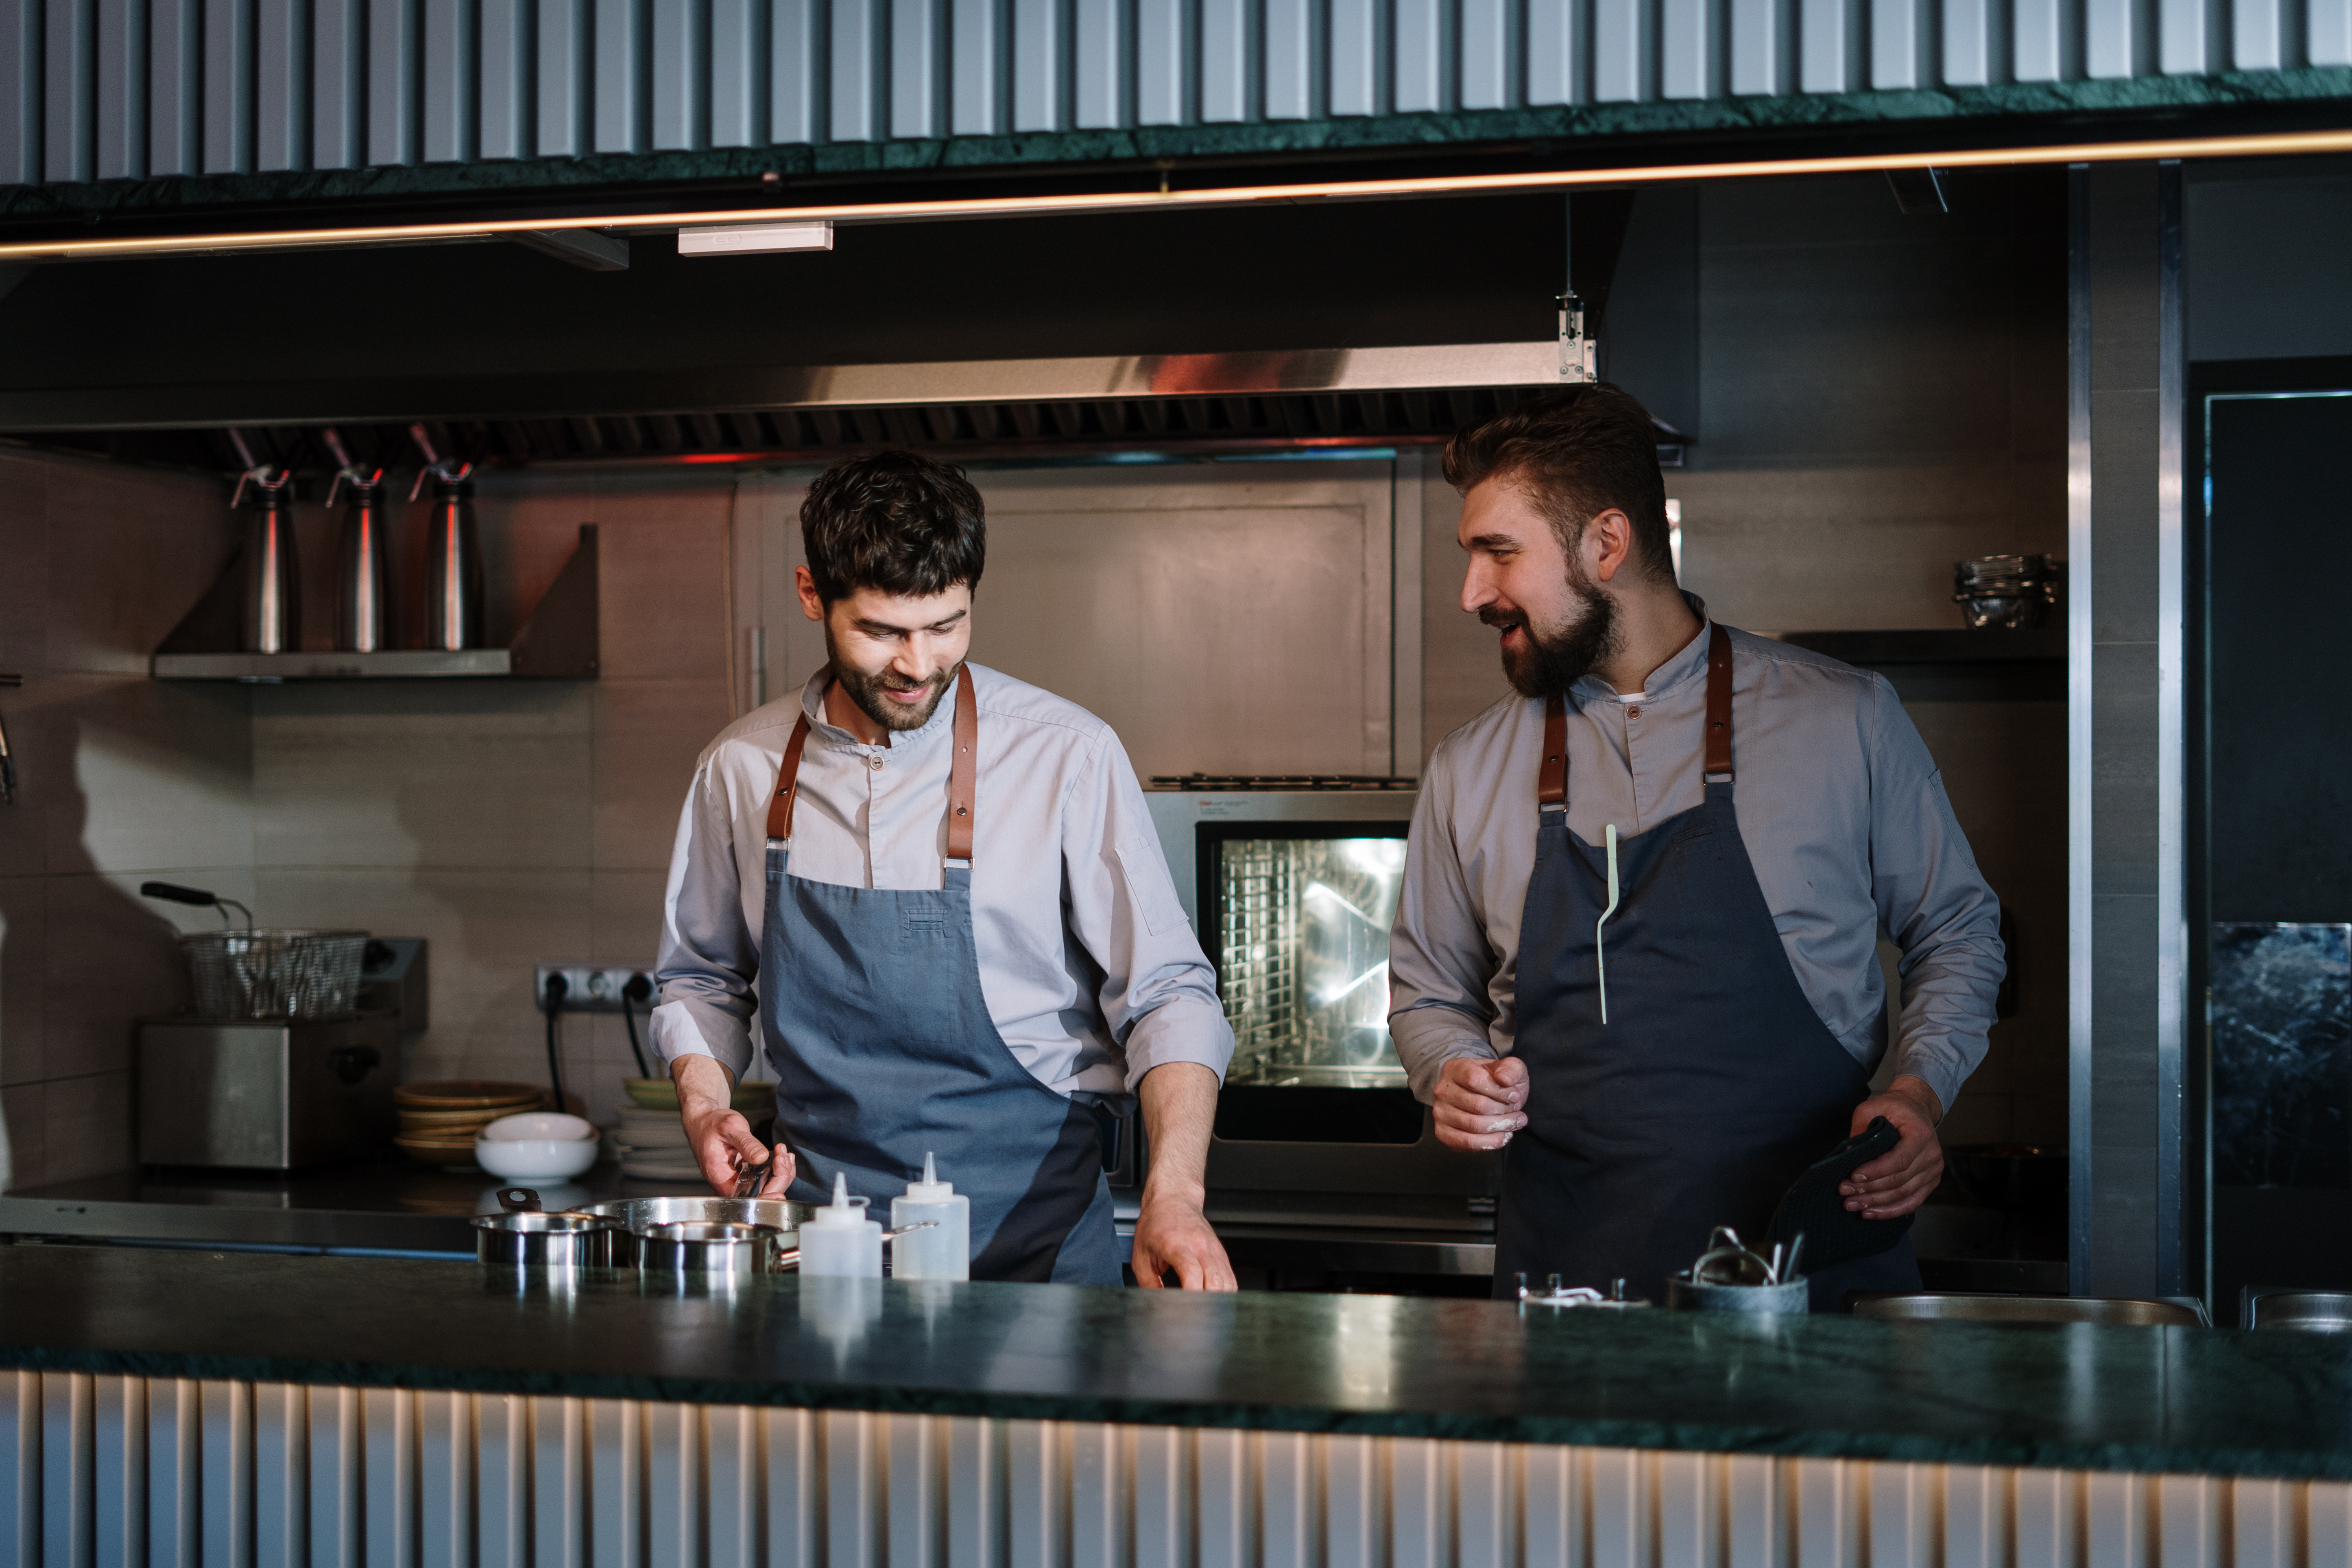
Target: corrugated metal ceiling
[131, 90]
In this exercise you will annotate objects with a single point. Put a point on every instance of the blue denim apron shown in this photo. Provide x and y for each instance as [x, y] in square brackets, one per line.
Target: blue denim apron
[1714, 1082]
[875, 1023]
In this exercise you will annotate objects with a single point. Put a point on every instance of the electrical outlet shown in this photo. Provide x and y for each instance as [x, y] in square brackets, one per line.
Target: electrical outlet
[594, 987]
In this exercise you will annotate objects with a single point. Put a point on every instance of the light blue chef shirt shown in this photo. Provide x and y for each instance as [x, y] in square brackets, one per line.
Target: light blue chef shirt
[1088, 966]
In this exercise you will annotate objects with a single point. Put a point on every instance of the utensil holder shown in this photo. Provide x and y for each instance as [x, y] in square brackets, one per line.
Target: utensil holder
[1685, 1294]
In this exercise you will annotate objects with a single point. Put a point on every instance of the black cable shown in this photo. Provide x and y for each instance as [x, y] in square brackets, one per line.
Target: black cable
[557, 989]
[638, 989]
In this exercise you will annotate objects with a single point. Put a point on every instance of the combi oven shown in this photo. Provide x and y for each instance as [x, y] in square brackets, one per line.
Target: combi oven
[1292, 885]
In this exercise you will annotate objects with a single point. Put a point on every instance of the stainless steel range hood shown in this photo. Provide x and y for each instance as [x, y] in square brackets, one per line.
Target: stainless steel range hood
[1446, 366]
[1416, 393]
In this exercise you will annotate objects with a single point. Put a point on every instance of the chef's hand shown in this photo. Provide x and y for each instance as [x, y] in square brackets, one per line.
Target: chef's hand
[1480, 1101]
[1172, 1234]
[1898, 1182]
[718, 1134]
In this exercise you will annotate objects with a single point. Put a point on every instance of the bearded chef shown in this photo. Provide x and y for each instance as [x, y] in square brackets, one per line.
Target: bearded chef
[1636, 944]
[939, 890]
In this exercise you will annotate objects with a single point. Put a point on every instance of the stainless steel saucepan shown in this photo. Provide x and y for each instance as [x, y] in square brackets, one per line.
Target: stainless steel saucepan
[636, 1216]
[713, 1246]
[534, 1240]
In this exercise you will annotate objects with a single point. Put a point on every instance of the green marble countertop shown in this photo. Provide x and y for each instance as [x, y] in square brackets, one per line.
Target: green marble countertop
[2180, 1400]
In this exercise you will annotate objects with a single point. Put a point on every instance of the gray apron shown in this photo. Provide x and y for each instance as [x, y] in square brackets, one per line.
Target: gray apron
[1713, 1084]
[874, 1022]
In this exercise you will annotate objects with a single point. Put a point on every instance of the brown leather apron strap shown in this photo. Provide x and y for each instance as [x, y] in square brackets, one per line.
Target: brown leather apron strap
[1718, 703]
[1551, 784]
[963, 770]
[788, 778]
[962, 773]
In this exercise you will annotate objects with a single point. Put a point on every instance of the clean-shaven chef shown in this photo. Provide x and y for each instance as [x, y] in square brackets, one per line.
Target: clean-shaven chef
[939, 891]
[1671, 1063]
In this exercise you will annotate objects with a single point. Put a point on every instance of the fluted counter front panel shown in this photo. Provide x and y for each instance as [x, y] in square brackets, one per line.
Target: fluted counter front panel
[107, 1469]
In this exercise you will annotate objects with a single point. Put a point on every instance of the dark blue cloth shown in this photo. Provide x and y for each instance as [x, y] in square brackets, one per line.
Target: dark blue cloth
[871, 1007]
[1713, 1085]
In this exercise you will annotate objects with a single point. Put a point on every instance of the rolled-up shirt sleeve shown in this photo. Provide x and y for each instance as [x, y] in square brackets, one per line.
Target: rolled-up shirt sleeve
[1159, 991]
[1441, 965]
[709, 958]
[1934, 903]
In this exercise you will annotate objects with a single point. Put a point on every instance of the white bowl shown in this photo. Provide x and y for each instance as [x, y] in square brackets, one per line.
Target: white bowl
[535, 1159]
[543, 1126]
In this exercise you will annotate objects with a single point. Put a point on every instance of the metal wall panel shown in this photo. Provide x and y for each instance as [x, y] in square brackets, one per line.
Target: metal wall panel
[103, 1471]
[121, 88]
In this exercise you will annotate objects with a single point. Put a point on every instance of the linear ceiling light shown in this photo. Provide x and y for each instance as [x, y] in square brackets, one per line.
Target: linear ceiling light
[740, 238]
[773, 218]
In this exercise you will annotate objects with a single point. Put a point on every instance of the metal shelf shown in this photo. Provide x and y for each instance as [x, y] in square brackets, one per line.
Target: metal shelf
[400, 663]
[557, 643]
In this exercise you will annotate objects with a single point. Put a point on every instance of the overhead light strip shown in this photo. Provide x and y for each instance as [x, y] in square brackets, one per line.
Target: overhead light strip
[2277, 144]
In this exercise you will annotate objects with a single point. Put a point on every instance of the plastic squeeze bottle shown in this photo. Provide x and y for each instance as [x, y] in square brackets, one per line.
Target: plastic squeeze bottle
[838, 1241]
[943, 1252]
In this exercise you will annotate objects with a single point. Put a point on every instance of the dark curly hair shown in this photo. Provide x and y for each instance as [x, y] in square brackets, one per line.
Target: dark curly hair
[904, 523]
[1576, 452]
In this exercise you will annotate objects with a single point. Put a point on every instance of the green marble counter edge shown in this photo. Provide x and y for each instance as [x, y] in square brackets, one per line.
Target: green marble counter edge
[2140, 1400]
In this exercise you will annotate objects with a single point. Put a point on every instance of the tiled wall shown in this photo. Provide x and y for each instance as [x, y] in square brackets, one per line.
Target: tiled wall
[511, 822]
[121, 779]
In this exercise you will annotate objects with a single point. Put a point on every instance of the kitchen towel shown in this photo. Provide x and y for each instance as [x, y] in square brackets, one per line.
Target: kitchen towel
[1813, 1209]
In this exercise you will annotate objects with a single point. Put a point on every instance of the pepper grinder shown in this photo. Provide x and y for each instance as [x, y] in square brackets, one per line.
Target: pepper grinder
[453, 551]
[363, 598]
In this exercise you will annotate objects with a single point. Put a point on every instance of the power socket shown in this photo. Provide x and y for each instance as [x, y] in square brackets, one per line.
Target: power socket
[594, 987]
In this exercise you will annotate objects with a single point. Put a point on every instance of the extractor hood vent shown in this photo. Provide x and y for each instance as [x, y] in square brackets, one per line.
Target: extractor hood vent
[1203, 403]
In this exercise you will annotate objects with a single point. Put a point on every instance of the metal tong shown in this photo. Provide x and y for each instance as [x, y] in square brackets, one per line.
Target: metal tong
[749, 1179]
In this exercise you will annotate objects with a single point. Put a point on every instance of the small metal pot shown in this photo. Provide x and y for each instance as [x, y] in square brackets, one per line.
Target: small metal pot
[709, 1247]
[1684, 1295]
[533, 1240]
[636, 1216]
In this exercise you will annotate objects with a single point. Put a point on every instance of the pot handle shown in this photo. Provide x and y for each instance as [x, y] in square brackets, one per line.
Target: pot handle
[518, 1200]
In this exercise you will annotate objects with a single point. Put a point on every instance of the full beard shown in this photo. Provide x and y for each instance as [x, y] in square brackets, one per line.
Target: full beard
[866, 690]
[1549, 660]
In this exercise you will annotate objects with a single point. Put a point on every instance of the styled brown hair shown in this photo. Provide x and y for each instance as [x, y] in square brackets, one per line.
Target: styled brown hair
[910, 525]
[1576, 453]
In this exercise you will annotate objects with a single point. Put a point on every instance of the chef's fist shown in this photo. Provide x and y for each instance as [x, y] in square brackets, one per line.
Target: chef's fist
[1900, 1180]
[1481, 1101]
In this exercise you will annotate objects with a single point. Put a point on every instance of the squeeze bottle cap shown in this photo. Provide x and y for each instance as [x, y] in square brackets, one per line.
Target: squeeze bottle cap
[843, 1210]
[931, 1189]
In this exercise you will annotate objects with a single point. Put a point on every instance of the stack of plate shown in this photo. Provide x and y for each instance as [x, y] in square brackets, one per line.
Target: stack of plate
[439, 1120]
[654, 1147]
[652, 1141]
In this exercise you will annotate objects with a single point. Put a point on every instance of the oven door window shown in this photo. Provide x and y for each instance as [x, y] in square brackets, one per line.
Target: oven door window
[1302, 928]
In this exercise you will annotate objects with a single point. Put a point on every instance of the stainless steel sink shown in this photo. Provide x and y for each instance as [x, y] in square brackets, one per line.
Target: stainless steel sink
[2312, 1311]
[1955, 1305]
